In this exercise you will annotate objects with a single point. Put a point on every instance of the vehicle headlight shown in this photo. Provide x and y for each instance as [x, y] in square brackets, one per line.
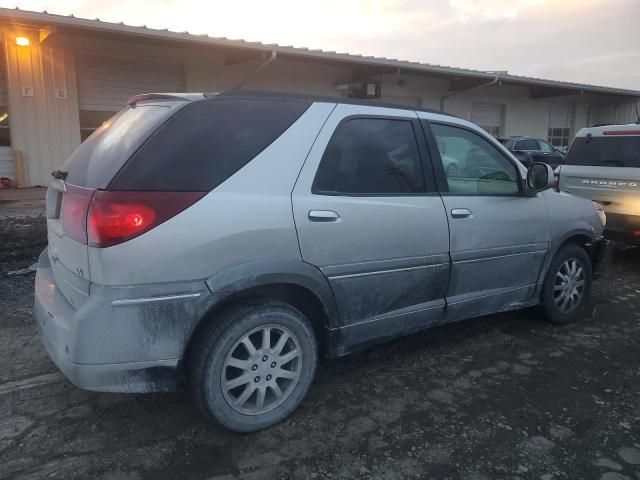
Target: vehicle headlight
[601, 214]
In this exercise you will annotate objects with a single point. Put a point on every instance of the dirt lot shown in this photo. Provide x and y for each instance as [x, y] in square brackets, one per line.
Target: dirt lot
[505, 396]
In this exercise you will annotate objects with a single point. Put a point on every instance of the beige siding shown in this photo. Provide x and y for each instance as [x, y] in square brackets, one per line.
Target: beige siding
[105, 83]
[43, 127]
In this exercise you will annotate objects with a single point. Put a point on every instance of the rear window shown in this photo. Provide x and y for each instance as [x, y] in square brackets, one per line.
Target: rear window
[528, 144]
[95, 162]
[619, 151]
[206, 143]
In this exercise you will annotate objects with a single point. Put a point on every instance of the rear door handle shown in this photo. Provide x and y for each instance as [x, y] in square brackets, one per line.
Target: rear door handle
[461, 213]
[323, 216]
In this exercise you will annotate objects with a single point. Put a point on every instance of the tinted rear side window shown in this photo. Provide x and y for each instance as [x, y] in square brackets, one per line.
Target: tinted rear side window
[206, 143]
[95, 162]
[622, 151]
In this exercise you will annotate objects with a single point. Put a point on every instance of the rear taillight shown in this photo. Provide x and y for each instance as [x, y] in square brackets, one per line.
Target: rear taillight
[115, 217]
[73, 212]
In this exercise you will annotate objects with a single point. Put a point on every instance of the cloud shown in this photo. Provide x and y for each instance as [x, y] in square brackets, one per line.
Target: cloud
[467, 9]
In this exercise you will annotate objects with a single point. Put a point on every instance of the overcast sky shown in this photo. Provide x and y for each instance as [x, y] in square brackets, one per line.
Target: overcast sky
[586, 41]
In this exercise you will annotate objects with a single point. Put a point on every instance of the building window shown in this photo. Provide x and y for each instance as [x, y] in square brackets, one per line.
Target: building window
[5, 136]
[90, 120]
[489, 117]
[561, 120]
[559, 137]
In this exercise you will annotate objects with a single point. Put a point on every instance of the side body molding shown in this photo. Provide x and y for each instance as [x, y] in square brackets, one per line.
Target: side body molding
[268, 272]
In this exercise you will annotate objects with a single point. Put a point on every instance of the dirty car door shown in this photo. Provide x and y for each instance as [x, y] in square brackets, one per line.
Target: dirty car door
[368, 217]
[499, 236]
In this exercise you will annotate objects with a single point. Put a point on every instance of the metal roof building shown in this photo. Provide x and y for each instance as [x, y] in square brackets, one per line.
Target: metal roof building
[63, 76]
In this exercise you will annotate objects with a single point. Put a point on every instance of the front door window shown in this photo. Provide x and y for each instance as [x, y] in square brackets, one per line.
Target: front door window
[481, 167]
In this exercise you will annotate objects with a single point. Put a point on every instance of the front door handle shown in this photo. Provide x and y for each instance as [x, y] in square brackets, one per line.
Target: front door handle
[323, 216]
[461, 213]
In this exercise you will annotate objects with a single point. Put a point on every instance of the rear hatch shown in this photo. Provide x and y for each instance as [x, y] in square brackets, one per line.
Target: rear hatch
[605, 169]
[87, 171]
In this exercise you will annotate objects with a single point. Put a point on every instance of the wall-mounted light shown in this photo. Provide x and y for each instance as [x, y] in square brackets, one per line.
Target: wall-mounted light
[22, 41]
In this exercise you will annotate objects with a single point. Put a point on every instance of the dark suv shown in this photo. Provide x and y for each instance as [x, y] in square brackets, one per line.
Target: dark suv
[529, 150]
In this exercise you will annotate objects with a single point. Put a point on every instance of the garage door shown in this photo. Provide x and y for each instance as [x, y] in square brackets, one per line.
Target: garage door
[105, 83]
[6, 163]
[488, 116]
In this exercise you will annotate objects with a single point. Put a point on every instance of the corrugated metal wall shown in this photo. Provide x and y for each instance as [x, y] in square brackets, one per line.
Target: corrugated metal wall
[620, 113]
[105, 83]
[43, 107]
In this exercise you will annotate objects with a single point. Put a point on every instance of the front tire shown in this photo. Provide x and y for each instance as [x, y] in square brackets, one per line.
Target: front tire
[567, 285]
[252, 368]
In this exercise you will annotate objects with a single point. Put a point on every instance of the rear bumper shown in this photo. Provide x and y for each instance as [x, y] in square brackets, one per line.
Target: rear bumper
[602, 256]
[623, 228]
[104, 348]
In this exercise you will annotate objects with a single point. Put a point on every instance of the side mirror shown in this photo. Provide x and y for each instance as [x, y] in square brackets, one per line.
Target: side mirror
[540, 177]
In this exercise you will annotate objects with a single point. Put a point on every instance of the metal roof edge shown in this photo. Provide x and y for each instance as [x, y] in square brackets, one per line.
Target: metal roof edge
[46, 18]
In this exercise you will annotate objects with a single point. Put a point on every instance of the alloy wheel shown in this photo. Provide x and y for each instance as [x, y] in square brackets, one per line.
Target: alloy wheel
[261, 370]
[568, 287]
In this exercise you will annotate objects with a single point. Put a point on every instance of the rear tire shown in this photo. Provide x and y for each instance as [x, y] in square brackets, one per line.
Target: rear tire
[253, 367]
[567, 285]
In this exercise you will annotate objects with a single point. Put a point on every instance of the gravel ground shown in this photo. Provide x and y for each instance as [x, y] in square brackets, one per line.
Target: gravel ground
[504, 396]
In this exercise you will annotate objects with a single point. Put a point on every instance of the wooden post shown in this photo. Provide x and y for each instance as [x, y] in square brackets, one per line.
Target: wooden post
[20, 169]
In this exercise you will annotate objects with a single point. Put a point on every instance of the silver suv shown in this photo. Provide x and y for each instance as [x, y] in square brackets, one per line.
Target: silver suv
[603, 164]
[226, 241]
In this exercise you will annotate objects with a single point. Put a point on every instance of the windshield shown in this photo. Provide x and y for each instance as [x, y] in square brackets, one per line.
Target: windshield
[618, 151]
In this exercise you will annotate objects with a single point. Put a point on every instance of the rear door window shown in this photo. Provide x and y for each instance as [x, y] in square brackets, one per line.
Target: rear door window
[614, 151]
[371, 156]
[206, 143]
